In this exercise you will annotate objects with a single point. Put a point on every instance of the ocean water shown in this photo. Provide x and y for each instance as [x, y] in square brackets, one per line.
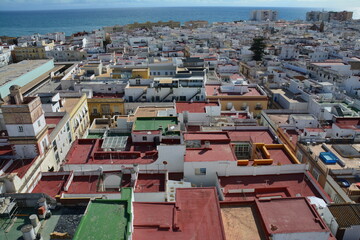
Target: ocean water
[19, 23]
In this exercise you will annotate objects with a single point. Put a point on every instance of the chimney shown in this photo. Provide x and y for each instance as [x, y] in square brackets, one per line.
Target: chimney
[16, 96]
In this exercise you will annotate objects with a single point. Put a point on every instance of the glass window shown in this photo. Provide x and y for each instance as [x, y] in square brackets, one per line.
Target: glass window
[200, 171]
[21, 129]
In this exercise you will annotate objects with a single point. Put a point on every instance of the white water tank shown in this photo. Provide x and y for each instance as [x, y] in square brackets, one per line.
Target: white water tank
[34, 220]
[28, 232]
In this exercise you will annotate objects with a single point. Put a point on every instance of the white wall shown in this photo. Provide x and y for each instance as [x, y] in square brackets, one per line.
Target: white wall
[28, 129]
[302, 235]
[150, 197]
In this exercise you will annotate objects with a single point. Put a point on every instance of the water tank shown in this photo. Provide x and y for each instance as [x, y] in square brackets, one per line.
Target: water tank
[34, 220]
[28, 232]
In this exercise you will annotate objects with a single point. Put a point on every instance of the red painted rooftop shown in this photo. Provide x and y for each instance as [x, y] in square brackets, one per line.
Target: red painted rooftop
[279, 156]
[284, 185]
[290, 215]
[195, 215]
[52, 122]
[193, 107]
[19, 166]
[6, 151]
[253, 92]
[150, 183]
[204, 136]
[83, 184]
[216, 152]
[88, 151]
[51, 185]
[256, 136]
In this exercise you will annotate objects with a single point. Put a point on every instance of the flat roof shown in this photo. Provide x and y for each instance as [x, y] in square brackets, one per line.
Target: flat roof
[242, 222]
[194, 215]
[51, 185]
[349, 162]
[154, 123]
[150, 183]
[284, 185]
[13, 71]
[193, 107]
[207, 136]
[19, 166]
[290, 97]
[104, 219]
[88, 151]
[216, 152]
[290, 215]
[52, 122]
[256, 136]
[209, 89]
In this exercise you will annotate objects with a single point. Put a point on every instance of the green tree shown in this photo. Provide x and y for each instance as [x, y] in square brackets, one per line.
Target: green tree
[257, 48]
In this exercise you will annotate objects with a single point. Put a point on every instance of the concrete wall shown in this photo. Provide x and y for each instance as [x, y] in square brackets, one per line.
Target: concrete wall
[301, 235]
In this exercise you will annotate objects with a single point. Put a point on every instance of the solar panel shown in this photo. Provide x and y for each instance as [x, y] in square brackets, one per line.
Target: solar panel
[114, 143]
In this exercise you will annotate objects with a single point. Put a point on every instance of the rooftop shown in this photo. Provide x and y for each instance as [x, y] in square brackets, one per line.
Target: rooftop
[88, 151]
[349, 161]
[267, 186]
[290, 215]
[154, 123]
[216, 152]
[210, 89]
[255, 136]
[242, 222]
[193, 107]
[105, 219]
[52, 122]
[195, 215]
[13, 71]
[150, 183]
[19, 166]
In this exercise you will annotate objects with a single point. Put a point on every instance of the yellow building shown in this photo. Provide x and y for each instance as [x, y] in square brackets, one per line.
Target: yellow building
[79, 116]
[31, 52]
[255, 99]
[141, 73]
[105, 105]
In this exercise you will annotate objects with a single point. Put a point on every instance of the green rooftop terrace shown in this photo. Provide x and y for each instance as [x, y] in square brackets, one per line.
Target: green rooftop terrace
[107, 219]
[155, 123]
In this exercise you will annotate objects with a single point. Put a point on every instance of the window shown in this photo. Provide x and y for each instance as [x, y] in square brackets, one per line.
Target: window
[137, 81]
[69, 137]
[20, 128]
[242, 151]
[57, 157]
[109, 89]
[54, 145]
[39, 123]
[200, 171]
[159, 73]
[315, 173]
[166, 73]
[182, 98]
[144, 138]
[299, 156]
[95, 110]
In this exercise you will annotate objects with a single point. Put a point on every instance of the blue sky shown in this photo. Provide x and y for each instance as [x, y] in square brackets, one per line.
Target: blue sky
[81, 4]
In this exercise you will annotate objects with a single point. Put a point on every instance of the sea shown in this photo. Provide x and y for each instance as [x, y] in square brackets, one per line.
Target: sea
[21, 23]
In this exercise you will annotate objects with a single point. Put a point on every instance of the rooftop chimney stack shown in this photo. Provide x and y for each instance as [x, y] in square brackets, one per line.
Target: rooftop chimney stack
[16, 96]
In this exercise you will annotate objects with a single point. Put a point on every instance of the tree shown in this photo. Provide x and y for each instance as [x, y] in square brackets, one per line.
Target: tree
[257, 48]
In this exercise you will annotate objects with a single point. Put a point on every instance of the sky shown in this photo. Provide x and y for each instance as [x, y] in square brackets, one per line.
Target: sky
[353, 5]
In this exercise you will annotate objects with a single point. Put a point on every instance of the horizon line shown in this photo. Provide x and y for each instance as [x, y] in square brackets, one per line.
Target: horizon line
[127, 7]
